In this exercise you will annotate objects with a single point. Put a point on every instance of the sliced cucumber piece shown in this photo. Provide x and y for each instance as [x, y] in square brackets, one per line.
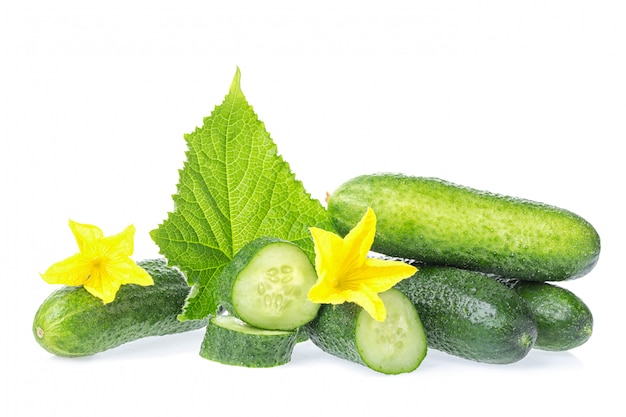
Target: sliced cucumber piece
[396, 345]
[230, 341]
[267, 283]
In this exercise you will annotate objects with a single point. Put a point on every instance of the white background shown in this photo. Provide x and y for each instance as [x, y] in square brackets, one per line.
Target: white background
[525, 98]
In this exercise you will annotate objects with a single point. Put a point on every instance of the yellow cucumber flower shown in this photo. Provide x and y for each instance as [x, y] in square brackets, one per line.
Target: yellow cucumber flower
[102, 264]
[345, 273]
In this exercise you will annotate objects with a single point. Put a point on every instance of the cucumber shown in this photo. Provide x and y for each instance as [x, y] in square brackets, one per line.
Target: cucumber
[230, 341]
[440, 223]
[71, 322]
[470, 315]
[564, 321]
[267, 283]
[396, 345]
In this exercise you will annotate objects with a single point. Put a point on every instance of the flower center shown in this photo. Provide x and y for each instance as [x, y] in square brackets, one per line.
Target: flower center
[97, 262]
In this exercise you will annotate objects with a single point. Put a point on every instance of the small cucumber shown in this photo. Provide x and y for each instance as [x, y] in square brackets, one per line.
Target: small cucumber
[230, 341]
[267, 283]
[71, 322]
[396, 345]
[563, 320]
[440, 223]
[470, 315]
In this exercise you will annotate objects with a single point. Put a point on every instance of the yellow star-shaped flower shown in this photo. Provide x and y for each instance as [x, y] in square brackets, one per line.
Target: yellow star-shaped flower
[102, 264]
[345, 273]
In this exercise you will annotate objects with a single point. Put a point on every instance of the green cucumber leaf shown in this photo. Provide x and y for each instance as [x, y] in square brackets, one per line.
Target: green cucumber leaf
[234, 187]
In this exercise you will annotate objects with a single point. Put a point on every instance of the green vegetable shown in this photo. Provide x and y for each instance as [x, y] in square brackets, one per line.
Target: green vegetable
[441, 223]
[267, 283]
[470, 315]
[396, 345]
[230, 341]
[72, 322]
[233, 188]
[563, 320]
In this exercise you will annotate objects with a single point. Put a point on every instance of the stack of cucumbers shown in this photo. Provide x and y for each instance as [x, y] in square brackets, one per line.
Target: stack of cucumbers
[484, 290]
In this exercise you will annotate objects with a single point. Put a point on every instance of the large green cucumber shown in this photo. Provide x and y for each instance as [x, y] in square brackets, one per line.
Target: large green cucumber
[437, 222]
[71, 322]
[564, 321]
[470, 315]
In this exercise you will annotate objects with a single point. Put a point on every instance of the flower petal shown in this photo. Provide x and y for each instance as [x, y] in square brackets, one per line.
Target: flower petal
[380, 274]
[73, 271]
[128, 272]
[85, 234]
[324, 294]
[103, 286]
[329, 253]
[369, 301]
[121, 244]
[359, 240]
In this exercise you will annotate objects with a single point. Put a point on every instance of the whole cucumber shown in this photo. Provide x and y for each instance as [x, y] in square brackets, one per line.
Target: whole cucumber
[564, 321]
[441, 223]
[71, 322]
[470, 315]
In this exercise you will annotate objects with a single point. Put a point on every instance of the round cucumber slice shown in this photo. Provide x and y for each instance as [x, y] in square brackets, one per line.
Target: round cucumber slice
[395, 345]
[267, 283]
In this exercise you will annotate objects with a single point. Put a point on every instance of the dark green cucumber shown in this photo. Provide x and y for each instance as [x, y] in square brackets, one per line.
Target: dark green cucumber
[396, 345]
[267, 284]
[470, 315]
[564, 321]
[230, 341]
[71, 322]
[440, 223]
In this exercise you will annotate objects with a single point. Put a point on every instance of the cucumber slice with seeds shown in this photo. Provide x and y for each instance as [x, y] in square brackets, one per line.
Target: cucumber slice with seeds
[396, 345]
[230, 341]
[267, 283]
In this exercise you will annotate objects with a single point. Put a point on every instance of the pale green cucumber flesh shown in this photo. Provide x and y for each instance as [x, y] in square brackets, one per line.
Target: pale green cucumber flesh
[440, 223]
[396, 345]
[269, 285]
[230, 341]
[236, 325]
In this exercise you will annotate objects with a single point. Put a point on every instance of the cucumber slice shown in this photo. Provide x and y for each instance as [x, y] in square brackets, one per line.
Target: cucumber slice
[230, 341]
[396, 345]
[267, 283]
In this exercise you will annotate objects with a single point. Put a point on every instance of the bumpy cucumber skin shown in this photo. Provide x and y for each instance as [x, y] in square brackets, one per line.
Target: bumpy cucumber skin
[334, 331]
[440, 223]
[470, 315]
[71, 322]
[564, 321]
[230, 347]
[239, 262]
